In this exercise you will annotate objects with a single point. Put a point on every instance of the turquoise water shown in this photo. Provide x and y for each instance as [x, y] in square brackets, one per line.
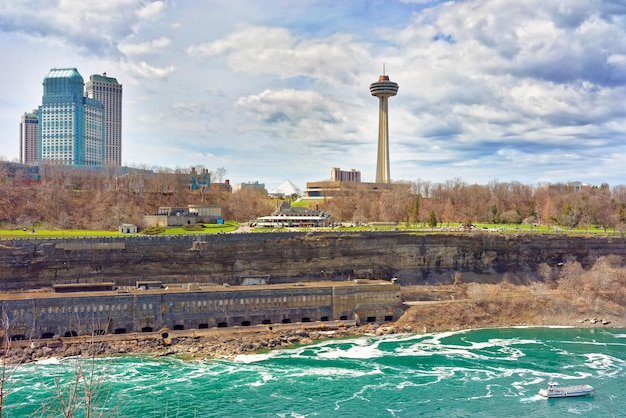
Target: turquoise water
[479, 373]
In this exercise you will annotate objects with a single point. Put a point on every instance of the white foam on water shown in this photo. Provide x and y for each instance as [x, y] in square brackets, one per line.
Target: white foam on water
[533, 385]
[474, 350]
[253, 358]
[500, 342]
[605, 365]
[485, 396]
[581, 409]
[265, 377]
[334, 372]
[534, 398]
[48, 361]
[354, 352]
[424, 350]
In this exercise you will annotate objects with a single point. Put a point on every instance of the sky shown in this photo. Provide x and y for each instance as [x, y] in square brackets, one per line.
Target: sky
[531, 91]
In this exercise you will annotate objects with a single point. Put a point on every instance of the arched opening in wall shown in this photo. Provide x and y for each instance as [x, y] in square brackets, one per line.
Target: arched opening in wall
[222, 325]
[179, 327]
[305, 320]
[286, 321]
[245, 323]
[371, 319]
[99, 332]
[203, 326]
[324, 318]
[47, 335]
[343, 318]
[147, 329]
[18, 337]
[388, 318]
[120, 331]
[266, 322]
[165, 335]
[70, 333]
[188, 222]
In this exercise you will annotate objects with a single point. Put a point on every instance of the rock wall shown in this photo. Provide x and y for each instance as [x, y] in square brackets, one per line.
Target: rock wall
[226, 258]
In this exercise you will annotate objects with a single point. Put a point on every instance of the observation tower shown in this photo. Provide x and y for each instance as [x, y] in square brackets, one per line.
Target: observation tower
[383, 89]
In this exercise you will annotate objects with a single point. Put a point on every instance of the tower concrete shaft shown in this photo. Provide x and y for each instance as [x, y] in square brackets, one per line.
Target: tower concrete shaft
[383, 89]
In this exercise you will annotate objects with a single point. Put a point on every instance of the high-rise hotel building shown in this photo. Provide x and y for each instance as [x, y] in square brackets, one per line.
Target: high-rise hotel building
[109, 92]
[29, 130]
[71, 126]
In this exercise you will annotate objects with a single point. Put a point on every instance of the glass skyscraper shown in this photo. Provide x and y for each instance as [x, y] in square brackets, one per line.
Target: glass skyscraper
[71, 126]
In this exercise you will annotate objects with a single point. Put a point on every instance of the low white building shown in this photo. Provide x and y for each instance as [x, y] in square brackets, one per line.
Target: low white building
[127, 229]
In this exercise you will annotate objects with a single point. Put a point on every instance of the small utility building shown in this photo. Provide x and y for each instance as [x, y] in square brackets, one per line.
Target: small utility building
[180, 216]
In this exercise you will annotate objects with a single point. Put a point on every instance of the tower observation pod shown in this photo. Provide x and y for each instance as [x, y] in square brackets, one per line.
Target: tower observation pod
[383, 89]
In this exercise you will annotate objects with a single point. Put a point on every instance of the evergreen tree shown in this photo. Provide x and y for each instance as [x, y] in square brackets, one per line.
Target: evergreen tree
[415, 209]
[432, 219]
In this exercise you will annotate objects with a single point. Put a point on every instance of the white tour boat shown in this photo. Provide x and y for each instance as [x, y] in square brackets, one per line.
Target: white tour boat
[565, 392]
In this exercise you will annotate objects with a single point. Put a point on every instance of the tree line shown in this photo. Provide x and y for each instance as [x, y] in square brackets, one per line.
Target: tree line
[456, 202]
[101, 199]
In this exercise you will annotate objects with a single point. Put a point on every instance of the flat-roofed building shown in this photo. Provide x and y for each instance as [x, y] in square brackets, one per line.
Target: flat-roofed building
[352, 175]
[29, 130]
[109, 92]
[251, 185]
[179, 216]
[71, 126]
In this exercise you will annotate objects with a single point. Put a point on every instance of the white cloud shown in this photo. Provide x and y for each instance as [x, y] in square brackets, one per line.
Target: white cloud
[96, 27]
[288, 114]
[155, 45]
[488, 88]
[145, 70]
[272, 50]
[150, 10]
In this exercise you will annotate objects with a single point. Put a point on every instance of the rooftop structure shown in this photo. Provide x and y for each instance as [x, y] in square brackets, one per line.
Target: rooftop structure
[383, 89]
[286, 189]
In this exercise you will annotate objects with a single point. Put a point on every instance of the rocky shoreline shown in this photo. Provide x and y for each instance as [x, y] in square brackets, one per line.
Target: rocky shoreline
[223, 346]
[212, 345]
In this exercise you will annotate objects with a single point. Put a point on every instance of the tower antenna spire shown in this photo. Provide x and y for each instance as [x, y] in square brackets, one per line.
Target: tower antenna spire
[384, 69]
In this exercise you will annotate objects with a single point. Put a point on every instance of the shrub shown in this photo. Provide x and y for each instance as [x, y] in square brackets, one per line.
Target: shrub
[195, 227]
[154, 230]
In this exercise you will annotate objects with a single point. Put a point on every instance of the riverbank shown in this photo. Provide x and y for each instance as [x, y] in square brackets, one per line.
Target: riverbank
[432, 309]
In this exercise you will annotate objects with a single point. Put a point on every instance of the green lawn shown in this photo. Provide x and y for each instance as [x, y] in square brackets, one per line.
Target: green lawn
[55, 233]
[208, 229]
[232, 225]
[80, 233]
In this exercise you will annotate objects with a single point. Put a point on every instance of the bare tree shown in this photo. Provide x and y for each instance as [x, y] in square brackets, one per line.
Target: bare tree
[219, 174]
[8, 364]
[81, 385]
[448, 214]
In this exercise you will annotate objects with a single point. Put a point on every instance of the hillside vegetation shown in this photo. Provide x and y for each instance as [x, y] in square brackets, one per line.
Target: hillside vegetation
[65, 198]
[576, 297]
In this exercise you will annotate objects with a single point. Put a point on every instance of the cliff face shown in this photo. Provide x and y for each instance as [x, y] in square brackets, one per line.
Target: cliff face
[225, 258]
